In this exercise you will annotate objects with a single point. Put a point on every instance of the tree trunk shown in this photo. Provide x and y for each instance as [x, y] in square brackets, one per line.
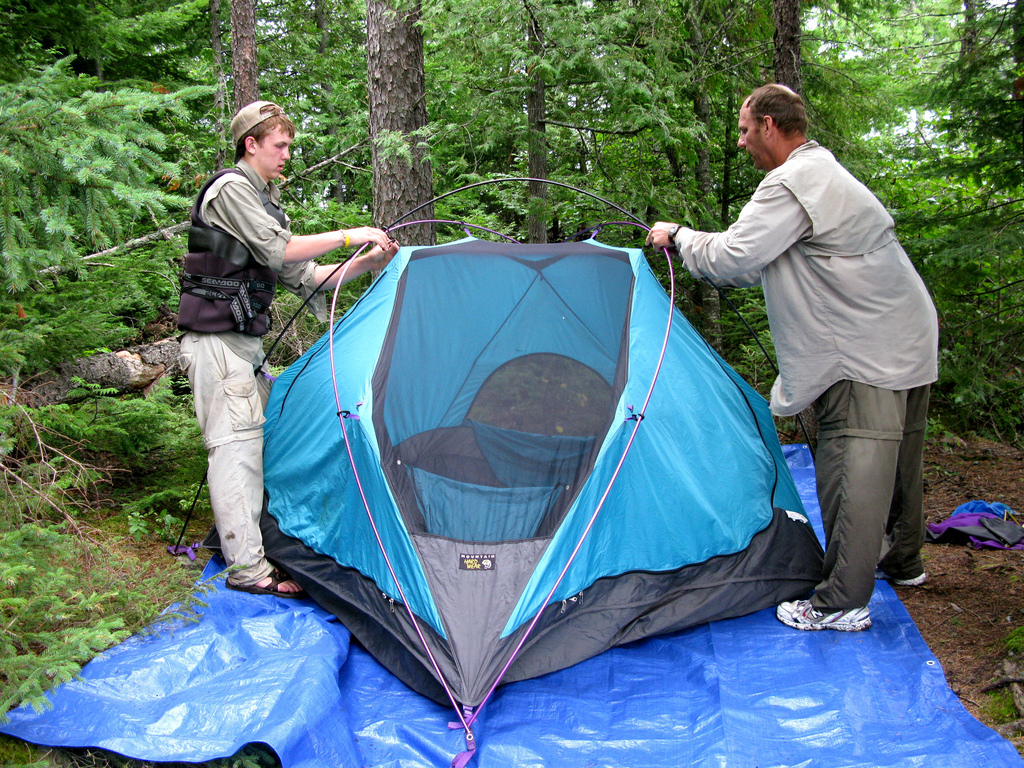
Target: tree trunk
[731, 151]
[244, 64]
[537, 148]
[969, 34]
[131, 370]
[1017, 24]
[786, 14]
[396, 82]
[220, 95]
[711, 304]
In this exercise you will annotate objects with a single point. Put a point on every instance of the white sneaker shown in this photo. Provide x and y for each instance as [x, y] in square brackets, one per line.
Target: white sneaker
[800, 614]
[917, 581]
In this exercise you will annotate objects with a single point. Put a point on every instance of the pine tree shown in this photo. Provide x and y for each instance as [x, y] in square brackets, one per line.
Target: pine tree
[80, 167]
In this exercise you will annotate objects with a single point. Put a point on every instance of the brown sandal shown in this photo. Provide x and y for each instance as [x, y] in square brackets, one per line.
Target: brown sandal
[277, 577]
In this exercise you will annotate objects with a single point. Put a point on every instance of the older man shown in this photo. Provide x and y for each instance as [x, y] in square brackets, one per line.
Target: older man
[855, 333]
[240, 249]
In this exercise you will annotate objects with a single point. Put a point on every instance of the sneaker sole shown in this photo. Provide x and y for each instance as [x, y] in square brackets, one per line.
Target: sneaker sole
[857, 626]
[915, 582]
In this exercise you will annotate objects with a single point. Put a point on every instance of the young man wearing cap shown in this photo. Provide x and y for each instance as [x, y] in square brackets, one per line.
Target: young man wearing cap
[240, 250]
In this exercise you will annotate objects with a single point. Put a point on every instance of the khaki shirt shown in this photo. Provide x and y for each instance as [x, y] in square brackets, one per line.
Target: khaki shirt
[233, 204]
[844, 301]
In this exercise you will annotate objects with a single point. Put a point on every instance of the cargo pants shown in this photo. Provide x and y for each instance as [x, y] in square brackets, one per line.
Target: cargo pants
[869, 469]
[229, 403]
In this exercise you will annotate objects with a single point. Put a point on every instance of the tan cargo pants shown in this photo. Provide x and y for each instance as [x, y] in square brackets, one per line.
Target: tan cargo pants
[229, 402]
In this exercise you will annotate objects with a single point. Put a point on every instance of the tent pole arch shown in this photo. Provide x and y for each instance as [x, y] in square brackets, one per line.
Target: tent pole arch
[637, 417]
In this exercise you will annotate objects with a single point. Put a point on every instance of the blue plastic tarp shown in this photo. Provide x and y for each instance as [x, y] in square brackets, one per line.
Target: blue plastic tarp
[744, 692]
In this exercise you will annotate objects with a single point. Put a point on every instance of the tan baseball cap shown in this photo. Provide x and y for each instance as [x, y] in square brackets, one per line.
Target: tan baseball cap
[250, 116]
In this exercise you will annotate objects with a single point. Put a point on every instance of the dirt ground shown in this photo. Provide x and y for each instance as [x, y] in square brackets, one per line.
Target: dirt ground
[973, 598]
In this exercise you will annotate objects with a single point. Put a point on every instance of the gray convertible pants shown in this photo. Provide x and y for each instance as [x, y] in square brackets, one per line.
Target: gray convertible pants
[229, 402]
[870, 467]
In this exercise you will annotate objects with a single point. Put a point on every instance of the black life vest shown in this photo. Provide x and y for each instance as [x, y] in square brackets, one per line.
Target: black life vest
[223, 288]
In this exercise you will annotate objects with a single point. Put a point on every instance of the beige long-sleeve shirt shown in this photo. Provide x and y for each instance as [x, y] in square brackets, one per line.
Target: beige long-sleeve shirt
[233, 204]
[843, 299]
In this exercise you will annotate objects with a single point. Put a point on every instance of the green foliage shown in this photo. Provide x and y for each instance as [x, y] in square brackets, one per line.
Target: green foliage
[40, 482]
[141, 525]
[135, 430]
[956, 180]
[52, 624]
[53, 449]
[148, 41]
[595, 104]
[72, 315]
[159, 514]
[1000, 707]
[80, 169]
[1015, 641]
[250, 756]
[60, 606]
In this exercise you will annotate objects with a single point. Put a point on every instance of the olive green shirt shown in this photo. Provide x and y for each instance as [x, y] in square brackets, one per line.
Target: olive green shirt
[233, 204]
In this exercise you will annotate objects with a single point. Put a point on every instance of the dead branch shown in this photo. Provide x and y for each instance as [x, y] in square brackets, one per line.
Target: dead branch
[1000, 682]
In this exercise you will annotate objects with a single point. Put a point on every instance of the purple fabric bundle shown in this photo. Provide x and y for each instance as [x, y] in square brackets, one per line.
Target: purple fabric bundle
[981, 524]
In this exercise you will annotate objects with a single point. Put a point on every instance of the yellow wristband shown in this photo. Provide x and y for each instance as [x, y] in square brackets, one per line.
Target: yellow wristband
[346, 240]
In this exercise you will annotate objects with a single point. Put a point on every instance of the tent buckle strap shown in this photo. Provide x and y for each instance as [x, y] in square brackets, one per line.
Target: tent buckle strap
[574, 599]
[634, 416]
[467, 717]
[464, 723]
[463, 758]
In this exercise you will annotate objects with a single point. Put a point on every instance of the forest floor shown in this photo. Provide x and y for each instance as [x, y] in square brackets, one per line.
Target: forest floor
[973, 598]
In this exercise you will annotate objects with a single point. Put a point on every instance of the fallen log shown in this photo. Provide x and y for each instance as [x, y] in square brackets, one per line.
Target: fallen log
[135, 369]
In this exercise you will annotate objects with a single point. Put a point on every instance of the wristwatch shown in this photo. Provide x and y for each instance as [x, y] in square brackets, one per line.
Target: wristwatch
[672, 237]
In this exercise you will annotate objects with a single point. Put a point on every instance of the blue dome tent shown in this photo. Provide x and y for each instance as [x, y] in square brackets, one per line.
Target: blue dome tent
[473, 471]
